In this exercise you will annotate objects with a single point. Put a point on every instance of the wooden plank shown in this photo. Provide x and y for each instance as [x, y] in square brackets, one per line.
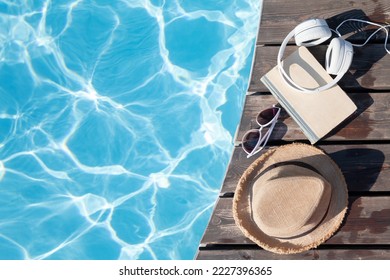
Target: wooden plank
[367, 222]
[369, 69]
[369, 122]
[365, 167]
[279, 17]
[315, 254]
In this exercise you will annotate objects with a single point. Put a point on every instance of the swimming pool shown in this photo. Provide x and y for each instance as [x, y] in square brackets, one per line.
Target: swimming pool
[116, 123]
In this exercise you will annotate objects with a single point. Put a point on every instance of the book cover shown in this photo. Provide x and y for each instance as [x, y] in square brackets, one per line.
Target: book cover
[316, 113]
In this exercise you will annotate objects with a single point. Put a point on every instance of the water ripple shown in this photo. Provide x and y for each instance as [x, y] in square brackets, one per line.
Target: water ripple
[116, 123]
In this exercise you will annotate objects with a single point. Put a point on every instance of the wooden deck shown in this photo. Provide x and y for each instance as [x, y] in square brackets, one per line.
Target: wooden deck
[360, 146]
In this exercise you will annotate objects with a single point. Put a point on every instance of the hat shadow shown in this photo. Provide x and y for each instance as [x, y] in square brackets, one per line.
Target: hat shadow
[361, 168]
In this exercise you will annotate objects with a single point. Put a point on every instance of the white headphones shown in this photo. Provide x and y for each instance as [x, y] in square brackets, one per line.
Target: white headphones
[338, 55]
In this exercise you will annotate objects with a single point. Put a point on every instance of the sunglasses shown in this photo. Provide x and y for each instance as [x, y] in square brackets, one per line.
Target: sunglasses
[254, 140]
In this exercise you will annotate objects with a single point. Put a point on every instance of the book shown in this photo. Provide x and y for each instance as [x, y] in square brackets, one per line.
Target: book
[316, 113]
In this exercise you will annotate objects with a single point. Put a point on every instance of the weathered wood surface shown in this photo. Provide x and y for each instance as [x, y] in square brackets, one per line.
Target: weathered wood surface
[315, 254]
[369, 70]
[279, 17]
[360, 145]
[366, 167]
[370, 121]
[367, 222]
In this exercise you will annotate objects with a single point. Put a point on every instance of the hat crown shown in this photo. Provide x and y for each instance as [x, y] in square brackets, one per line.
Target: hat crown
[289, 201]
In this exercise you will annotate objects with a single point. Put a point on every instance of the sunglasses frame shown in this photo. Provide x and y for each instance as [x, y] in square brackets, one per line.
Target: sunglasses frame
[262, 141]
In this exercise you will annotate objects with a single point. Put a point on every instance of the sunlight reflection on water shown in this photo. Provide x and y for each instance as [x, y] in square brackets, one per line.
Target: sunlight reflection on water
[116, 123]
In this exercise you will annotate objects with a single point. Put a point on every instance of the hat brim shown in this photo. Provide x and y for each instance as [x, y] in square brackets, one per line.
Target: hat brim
[308, 155]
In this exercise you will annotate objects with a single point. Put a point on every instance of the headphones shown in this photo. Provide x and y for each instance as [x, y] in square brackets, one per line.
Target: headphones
[339, 53]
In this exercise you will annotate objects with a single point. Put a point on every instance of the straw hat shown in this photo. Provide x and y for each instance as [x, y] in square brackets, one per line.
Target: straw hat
[291, 199]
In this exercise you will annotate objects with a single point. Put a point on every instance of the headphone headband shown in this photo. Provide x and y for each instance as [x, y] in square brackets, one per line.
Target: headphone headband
[294, 85]
[318, 31]
[338, 55]
[312, 32]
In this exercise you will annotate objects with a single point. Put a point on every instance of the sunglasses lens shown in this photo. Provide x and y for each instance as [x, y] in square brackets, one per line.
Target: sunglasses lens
[250, 140]
[267, 115]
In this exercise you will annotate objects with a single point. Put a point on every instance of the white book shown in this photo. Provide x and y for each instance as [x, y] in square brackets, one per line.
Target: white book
[316, 113]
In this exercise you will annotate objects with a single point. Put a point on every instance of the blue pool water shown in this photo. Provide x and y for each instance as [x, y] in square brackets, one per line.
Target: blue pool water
[116, 123]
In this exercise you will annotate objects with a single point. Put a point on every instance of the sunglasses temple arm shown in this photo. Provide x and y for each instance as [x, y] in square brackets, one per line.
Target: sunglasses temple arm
[257, 145]
[266, 137]
[262, 141]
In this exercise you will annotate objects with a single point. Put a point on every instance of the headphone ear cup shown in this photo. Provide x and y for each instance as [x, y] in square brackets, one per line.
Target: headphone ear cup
[338, 56]
[312, 32]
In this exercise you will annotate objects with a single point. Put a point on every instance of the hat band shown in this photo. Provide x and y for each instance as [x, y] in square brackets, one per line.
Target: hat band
[291, 162]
